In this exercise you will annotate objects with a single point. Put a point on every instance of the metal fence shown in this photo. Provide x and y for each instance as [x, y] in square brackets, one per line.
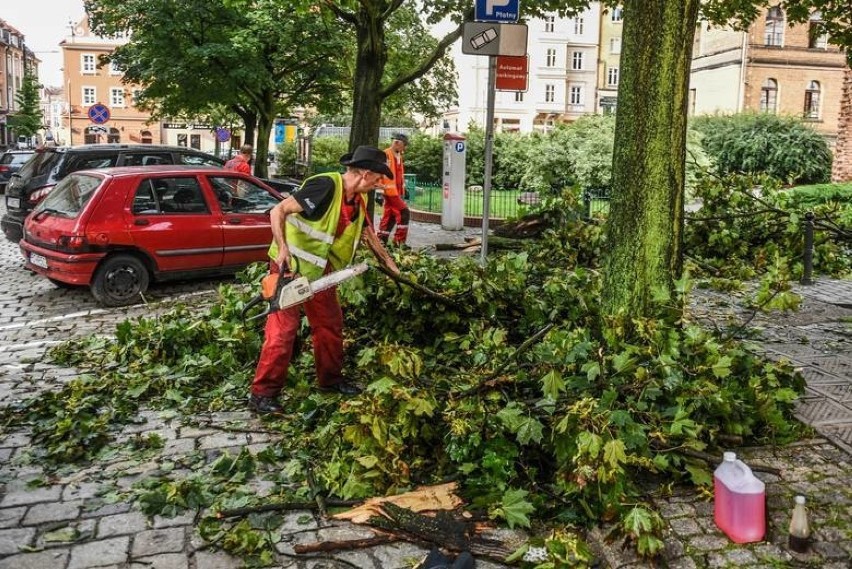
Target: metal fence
[502, 203]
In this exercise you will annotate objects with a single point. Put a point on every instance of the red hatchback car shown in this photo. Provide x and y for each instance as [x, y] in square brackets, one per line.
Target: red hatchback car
[118, 229]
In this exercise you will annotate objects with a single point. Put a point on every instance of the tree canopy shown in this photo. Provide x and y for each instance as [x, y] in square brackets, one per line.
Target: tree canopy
[29, 119]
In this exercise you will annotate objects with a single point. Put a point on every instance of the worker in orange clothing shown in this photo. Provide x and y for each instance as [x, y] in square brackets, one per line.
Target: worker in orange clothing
[242, 161]
[395, 209]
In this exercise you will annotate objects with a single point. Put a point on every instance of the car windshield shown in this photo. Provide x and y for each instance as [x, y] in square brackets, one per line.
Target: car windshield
[70, 195]
[39, 164]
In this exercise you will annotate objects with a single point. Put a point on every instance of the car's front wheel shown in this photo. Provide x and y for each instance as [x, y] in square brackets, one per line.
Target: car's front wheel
[120, 280]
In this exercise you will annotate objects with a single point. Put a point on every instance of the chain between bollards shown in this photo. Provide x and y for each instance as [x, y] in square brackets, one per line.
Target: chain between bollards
[808, 255]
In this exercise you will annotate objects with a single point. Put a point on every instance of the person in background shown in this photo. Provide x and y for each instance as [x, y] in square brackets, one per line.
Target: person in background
[395, 209]
[242, 161]
[320, 226]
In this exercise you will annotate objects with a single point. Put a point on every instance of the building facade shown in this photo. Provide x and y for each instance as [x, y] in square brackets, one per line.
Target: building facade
[100, 107]
[772, 67]
[609, 62]
[562, 84]
[15, 61]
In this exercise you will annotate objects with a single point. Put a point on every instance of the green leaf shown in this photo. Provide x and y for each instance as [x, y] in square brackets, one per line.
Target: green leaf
[516, 509]
[722, 367]
[614, 453]
[553, 384]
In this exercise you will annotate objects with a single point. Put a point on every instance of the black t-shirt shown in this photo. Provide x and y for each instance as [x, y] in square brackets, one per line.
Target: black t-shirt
[315, 197]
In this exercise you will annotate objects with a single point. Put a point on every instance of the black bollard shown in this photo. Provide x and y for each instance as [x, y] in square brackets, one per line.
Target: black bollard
[808, 256]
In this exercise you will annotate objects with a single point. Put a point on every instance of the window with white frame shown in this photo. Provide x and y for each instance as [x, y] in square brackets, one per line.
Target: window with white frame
[549, 23]
[90, 95]
[551, 58]
[135, 96]
[774, 29]
[617, 14]
[116, 97]
[519, 96]
[615, 45]
[812, 100]
[612, 76]
[578, 25]
[549, 93]
[577, 60]
[113, 68]
[576, 95]
[87, 63]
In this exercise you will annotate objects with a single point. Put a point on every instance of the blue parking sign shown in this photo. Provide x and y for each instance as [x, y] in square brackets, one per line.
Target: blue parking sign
[497, 10]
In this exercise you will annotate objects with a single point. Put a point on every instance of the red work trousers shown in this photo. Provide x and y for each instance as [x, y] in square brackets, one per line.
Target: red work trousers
[395, 213]
[326, 320]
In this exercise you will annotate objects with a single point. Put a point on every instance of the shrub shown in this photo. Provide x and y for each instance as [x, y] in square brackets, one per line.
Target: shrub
[783, 147]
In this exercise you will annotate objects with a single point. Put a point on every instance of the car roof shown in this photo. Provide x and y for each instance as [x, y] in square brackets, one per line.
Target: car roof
[31, 151]
[114, 147]
[159, 169]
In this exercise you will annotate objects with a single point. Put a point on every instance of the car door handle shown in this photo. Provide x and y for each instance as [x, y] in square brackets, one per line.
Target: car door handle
[141, 222]
[235, 220]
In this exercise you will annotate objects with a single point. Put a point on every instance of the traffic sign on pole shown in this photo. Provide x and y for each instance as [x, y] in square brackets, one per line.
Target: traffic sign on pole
[483, 38]
[497, 10]
[98, 113]
[512, 73]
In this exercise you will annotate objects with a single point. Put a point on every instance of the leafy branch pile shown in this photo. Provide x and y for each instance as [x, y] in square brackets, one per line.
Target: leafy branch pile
[749, 227]
[541, 413]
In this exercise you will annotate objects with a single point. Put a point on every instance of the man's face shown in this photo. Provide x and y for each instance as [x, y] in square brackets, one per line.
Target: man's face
[398, 146]
[368, 180]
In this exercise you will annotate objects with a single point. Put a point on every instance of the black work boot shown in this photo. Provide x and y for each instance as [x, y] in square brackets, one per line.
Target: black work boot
[344, 388]
[265, 405]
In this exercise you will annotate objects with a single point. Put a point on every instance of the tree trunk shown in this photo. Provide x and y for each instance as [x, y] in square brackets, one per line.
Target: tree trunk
[249, 124]
[645, 225]
[369, 69]
[841, 169]
[264, 130]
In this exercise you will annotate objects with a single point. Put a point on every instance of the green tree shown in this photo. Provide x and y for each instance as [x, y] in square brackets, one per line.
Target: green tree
[29, 119]
[205, 57]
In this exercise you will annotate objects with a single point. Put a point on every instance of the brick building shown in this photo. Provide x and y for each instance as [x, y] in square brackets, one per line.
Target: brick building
[15, 60]
[88, 84]
[841, 170]
[772, 67]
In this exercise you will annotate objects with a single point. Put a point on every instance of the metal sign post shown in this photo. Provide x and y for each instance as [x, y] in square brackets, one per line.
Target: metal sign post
[489, 151]
[491, 37]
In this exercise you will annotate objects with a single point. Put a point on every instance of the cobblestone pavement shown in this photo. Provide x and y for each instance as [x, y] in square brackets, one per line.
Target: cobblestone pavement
[67, 522]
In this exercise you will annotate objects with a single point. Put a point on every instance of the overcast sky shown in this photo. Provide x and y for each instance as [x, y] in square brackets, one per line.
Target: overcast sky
[44, 24]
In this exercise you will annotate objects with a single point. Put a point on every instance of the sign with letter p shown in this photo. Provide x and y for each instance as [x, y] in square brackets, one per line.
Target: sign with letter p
[497, 10]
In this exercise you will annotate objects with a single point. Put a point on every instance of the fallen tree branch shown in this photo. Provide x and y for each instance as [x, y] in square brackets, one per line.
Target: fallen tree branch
[326, 546]
[283, 507]
[712, 460]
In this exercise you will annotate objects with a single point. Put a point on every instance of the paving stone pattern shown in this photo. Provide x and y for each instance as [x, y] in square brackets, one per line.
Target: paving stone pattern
[66, 521]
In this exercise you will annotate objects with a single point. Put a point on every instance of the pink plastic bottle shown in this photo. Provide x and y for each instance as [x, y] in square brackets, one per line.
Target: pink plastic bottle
[739, 501]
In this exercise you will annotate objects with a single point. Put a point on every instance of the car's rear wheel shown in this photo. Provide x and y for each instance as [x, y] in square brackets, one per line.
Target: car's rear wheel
[120, 280]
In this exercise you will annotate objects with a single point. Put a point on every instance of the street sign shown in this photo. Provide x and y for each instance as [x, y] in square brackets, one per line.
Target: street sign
[482, 38]
[497, 10]
[97, 130]
[222, 134]
[512, 73]
[98, 113]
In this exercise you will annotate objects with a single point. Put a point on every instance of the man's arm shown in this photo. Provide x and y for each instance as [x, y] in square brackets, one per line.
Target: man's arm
[371, 240]
[277, 217]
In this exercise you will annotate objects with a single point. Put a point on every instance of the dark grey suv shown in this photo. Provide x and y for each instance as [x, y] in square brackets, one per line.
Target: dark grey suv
[10, 162]
[49, 165]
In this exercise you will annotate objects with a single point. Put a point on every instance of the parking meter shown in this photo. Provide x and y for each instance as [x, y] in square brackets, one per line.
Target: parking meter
[455, 165]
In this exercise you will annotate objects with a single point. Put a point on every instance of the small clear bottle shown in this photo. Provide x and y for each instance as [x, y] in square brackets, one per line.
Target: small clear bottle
[800, 532]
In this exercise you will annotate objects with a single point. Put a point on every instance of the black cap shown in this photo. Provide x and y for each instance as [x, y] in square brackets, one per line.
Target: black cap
[369, 158]
[400, 136]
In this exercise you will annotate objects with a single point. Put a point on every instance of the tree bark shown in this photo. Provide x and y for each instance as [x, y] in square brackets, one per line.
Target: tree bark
[369, 69]
[264, 130]
[645, 226]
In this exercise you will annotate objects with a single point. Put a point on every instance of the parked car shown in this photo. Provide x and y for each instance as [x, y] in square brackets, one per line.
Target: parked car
[118, 229]
[49, 165]
[10, 162]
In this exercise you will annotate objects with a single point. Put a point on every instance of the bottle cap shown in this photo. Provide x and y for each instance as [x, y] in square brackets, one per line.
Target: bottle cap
[800, 499]
[730, 456]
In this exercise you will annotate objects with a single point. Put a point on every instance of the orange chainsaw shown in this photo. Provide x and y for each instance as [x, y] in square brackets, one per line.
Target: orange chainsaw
[283, 290]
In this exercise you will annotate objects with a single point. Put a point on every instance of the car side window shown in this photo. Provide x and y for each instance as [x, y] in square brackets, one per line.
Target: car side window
[91, 161]
[146, 201]
[237, 195]
[146, 158]
[169, 196]
[196, 160]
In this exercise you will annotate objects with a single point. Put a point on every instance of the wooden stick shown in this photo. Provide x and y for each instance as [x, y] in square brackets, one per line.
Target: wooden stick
[283, 507]
[326, 546]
